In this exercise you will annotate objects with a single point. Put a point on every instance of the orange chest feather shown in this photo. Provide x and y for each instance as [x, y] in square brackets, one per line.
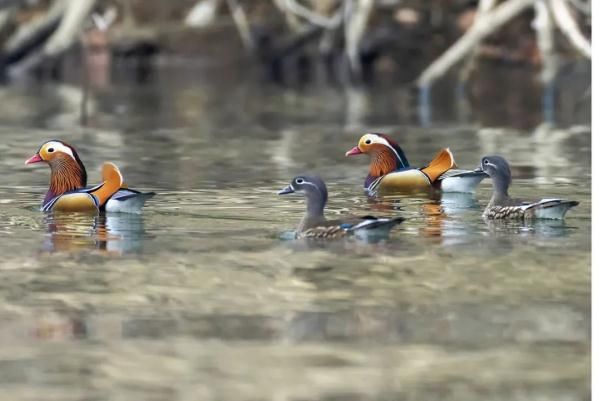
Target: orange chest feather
[382, 163]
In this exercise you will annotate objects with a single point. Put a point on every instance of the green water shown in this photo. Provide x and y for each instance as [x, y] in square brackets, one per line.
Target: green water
[198, 298]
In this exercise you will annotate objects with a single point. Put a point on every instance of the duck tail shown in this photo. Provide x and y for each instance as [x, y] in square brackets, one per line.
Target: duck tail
[441, 163]
[550, 208]
[112, 182]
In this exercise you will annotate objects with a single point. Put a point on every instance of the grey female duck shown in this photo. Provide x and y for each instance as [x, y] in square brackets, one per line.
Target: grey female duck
[315, 225]
[502, 206]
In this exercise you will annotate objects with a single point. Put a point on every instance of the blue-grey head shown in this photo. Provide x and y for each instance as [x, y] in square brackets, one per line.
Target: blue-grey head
[314, 190]
[499, 171]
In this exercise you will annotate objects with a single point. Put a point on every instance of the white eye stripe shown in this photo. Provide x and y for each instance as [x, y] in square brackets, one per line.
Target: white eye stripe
[59, 147]
[314, 185]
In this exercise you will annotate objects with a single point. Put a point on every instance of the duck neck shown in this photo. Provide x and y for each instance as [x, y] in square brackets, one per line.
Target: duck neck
[385, 161]
[500, 197]
[315, 206]
[66, 175]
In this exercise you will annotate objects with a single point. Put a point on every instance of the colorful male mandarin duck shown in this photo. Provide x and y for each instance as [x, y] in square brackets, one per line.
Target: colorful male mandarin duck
[315, 225]
[390, 172]
[68, 180]
[502, 206]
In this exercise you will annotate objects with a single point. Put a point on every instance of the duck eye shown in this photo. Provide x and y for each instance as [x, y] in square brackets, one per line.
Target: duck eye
[368, 141]
[486, 161]
[50, 150]
[299, 181]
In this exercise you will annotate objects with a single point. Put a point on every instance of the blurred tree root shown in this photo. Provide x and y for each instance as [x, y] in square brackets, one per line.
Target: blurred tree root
[489, 20]
[295, 40]
[44, 37]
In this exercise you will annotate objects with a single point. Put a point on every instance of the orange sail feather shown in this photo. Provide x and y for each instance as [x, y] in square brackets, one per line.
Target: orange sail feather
[441, 163]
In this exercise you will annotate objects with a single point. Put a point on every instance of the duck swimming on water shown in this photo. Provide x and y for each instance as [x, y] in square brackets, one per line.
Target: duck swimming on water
[502, 206]
[390, 172]
[315, 225]
[68, 179]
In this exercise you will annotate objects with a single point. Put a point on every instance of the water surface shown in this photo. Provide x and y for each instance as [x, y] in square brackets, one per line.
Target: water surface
[199, 298]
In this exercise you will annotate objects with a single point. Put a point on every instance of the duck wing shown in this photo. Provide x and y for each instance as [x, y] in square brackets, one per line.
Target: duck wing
[127, 200]
[550, 208]
[334, 229]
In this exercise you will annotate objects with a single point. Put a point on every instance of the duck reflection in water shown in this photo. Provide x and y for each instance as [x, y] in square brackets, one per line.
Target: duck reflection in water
[443, 212]
[111, 234]
[531, 228]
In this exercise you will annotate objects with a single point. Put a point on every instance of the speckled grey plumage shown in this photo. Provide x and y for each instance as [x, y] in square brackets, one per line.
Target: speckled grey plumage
[502, 206]
[314, 224]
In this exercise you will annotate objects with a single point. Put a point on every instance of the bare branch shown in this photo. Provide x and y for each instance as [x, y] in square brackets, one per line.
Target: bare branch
[27, 33]
[203, 13]
[241, 23]
[482, 28]
[569, 27]
[483, 8]
[314, 18]
[582, 6]
[356, 17]
[544, 27]
[70, 26]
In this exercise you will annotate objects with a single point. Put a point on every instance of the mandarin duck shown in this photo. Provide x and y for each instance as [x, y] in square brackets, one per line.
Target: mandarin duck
[390, 172]
[502, 206]
[315, 225]
[68, 180]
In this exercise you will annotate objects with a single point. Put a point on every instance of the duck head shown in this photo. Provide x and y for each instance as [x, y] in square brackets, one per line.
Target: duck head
[314, 190]
[386, 155]
[67, 170]
[499, 171]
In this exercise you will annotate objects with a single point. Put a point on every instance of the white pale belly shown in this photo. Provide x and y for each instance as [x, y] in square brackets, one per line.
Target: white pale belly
[466, 184]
